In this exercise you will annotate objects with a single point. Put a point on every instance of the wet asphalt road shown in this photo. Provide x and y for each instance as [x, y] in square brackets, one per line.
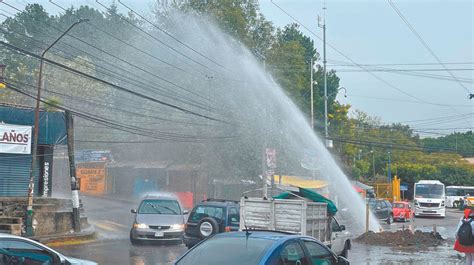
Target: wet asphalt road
[112, 220]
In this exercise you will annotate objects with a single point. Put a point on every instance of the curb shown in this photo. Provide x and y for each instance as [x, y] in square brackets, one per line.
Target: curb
[67, 239]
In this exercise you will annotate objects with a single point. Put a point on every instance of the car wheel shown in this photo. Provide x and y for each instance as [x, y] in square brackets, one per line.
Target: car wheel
[345, 251]
[133, 241]
[208, 226]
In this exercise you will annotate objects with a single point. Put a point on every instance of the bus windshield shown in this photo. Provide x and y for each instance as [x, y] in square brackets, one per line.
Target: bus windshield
[434, 191]
[459, 191]
[453, 192]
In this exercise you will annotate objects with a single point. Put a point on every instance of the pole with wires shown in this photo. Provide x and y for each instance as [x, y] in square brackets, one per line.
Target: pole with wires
[76, 220]
[323, 26]
[29, 208]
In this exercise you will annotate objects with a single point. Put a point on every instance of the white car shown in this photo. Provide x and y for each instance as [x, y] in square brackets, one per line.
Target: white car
[20, 250]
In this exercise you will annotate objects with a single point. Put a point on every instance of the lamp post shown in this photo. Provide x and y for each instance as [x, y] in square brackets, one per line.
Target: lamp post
[29, 209]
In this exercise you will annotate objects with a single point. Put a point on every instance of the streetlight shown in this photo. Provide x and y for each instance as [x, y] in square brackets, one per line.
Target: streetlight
[29, 209]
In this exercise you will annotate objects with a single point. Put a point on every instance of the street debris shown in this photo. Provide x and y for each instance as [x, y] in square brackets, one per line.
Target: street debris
[402, 238]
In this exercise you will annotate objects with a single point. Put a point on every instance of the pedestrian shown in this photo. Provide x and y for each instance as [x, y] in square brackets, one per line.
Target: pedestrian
[467, 248]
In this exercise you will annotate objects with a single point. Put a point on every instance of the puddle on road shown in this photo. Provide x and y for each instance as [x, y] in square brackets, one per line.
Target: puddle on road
[371, 255]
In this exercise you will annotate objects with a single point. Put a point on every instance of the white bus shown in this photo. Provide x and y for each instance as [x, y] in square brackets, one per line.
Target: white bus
[429, 198]
[455, 194]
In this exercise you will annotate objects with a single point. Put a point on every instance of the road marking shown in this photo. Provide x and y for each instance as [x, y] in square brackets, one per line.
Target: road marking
[105, 227]
[115, 224]
[70, 243]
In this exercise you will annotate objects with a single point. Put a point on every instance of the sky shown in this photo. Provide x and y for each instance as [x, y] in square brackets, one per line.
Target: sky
[371, 32]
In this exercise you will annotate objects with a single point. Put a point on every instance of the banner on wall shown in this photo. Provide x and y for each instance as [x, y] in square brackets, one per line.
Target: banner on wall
[15, 139]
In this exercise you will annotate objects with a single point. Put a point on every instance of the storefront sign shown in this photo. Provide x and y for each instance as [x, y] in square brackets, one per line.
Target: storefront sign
[15, 139]
[91, 177]
[46, 160]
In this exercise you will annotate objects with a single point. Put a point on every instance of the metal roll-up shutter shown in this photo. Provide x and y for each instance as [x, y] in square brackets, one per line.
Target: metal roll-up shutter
[15, 175]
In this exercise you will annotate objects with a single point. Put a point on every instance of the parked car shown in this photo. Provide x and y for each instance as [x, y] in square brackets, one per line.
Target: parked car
[20, 250]
[402, 211]
[209, 217]
[382, 209]
[158, 218]
[260, 248]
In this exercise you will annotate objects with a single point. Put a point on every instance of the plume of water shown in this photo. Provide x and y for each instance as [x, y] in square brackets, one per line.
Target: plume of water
[244, 100]
[268, 117]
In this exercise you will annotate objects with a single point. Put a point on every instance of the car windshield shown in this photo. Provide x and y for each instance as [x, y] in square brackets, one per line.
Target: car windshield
[434, 191]
[399, 205]
[203, 211]
[159, 207]
[228, 250]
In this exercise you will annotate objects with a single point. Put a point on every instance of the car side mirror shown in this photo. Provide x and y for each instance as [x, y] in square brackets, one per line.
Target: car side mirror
[133, 210]
[342, 227]
[342, 261]
[185, 212]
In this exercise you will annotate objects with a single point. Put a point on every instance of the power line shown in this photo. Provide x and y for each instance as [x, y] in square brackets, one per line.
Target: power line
[106, 106]
[122, 41]
[153, 37]
[347, 57]
[396, 146]
[427, 47]
[117, 58]
[439, 118]
[171, 36]
[117, 75]
[419, 74]
[123, 127]
[407, 70]
[409, 101]
[19, 50]
[128, 63]
[342, 63]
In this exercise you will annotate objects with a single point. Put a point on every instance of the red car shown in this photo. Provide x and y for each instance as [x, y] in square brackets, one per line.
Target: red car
[402, 211]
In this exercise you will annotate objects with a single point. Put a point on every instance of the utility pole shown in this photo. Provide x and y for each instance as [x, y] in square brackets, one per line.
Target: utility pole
[373, 162]
[389, 173]
[76, 220]
[210, 78]
[29, 208]
[323, 26]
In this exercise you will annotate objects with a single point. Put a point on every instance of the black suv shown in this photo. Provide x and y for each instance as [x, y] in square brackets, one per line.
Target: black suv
[210, 217]
[382, 209]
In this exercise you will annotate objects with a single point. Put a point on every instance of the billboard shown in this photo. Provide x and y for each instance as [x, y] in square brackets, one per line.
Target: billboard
[86, 156]
[15, 139]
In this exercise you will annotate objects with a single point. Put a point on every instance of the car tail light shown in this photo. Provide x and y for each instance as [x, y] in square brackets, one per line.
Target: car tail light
[227, 229]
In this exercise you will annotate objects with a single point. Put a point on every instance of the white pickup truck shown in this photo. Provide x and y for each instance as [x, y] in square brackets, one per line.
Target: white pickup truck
[299, 216]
